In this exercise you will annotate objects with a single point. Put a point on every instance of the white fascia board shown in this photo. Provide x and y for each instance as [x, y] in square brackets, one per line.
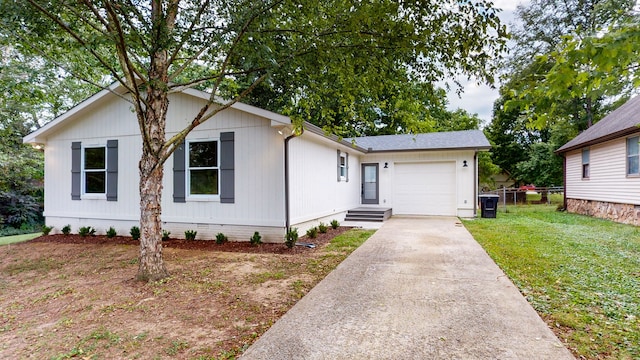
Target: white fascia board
[39, 136]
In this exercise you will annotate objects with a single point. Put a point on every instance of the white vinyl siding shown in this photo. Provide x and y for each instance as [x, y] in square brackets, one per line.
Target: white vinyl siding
[608, 179]
[259, 172]
[464, 181]
[315, 193]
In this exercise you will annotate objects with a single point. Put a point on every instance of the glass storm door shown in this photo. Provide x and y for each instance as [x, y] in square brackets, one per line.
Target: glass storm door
[369, 188]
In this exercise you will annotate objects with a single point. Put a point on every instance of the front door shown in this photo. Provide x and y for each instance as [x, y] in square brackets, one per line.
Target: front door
[369, 189]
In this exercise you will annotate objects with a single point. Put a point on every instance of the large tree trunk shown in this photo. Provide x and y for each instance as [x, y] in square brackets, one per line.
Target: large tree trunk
[151, 266]
[151, 173]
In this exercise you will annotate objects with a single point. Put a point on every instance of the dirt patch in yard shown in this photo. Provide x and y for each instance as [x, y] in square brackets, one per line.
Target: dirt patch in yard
[69, 296]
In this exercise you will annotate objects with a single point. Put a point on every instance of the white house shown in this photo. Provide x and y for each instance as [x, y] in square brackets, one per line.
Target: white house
[602, 167]
[243, 171]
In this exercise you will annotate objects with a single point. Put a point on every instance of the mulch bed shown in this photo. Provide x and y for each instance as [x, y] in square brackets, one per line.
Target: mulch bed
[204, 245]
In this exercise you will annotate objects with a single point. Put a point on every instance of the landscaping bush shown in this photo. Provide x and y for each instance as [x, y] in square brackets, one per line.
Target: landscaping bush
[221, 238]
[334, 224]
[86, 230]
[135, 232]
[46, 229]
[190, 234]
[66, 229]
[165, 235]
[291, 237]
[322, 228]
[256, 239]
[111, 232]
[312, 233]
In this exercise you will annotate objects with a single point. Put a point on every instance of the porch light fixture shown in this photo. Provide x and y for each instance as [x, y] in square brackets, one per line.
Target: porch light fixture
[386, 165]
[464, 163]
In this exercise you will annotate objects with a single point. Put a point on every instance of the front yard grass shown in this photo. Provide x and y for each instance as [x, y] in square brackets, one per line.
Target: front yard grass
[581, 274]
[4, 240]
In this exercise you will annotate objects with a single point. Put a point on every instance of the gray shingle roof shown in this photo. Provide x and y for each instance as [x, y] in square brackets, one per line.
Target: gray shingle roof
[620, 122]
[467, 139]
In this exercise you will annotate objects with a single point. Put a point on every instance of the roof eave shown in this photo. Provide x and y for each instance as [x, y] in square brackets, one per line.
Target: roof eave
[475, 148]
[599, 140]
[318, 131]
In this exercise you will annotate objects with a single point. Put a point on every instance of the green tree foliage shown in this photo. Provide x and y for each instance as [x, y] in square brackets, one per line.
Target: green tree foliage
[326, 57]
[550, 94]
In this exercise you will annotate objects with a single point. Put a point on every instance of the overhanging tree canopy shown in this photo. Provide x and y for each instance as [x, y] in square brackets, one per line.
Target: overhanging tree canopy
[231, 47]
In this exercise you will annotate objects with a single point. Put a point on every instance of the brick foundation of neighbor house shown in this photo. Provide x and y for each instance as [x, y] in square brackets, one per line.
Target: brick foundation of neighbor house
[622, 213]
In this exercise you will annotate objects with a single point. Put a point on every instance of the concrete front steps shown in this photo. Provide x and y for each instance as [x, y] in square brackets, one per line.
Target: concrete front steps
[368, 214]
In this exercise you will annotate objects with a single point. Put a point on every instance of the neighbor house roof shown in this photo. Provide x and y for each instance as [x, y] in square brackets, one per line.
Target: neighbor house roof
[452, 140]
[621, 122]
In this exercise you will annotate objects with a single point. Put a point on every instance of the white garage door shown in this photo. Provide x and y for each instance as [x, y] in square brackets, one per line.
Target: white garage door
[424, 188]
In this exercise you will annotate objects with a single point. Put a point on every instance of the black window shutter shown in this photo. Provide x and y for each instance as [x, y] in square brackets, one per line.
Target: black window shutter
[338, 165]
[76, 166]
[346, 175]
[179, 175]
[227, 168]
[112, 170]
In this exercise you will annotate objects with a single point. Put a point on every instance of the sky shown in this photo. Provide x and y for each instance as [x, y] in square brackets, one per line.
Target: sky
[478, 99]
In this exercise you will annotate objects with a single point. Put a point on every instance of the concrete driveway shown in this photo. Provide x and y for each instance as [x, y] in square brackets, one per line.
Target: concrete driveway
[419, 288]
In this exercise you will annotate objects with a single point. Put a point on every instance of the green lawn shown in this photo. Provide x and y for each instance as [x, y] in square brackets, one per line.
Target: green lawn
[18, 238]
[581, 274]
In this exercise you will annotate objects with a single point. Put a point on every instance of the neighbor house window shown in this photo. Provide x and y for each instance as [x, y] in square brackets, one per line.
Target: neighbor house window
[585, 163]
[203, 168]
[95, 170]
[633, 163]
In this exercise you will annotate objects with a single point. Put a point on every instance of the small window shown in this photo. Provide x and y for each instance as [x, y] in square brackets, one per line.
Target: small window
[343, 166]
[95, 171]
[585, 163]
[633, 163]
[203, 168]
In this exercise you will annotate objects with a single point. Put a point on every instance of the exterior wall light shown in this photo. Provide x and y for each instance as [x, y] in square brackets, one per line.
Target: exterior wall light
[386, 165]
[464, 163]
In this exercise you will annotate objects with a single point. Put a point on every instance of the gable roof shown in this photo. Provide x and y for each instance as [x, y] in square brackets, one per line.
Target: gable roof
[116, 89]
[451, 140]
[620, 122]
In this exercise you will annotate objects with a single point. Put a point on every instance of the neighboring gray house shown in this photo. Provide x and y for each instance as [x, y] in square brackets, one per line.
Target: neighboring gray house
[255, 176]
[602, 167]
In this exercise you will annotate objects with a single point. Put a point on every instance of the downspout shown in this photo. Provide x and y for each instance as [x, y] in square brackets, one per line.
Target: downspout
[475, 187]
[564, 182]
[287, 220]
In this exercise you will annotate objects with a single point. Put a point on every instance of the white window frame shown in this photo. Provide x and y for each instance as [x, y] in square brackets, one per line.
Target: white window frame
[628, 156]
[83, 185]
[188, 168]
[343, 166]
[586, 164]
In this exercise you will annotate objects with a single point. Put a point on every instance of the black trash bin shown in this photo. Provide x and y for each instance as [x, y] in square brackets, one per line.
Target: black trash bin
[489, 205]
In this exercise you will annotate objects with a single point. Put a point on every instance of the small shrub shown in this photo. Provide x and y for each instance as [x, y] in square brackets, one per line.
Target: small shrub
[165, 235]
[334, 224]
[46, 229]
[135, 232]
[221, 238]
[190, 234]
[312, 233]
[111, 232]
[291, 237]
[66, 229]
[86, 230]
[256, 239]
[322, 228]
